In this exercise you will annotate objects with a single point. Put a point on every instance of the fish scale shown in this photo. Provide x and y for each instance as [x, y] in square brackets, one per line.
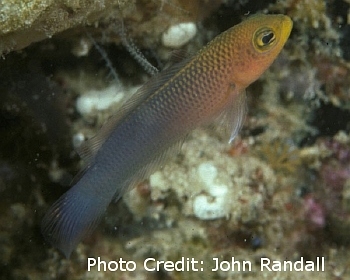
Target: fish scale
[153, 124]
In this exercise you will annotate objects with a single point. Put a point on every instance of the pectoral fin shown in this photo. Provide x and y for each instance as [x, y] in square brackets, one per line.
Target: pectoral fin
[232, 118]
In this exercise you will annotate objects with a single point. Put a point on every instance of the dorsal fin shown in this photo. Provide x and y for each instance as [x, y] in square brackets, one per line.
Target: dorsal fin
[177, 56]
[89, 148]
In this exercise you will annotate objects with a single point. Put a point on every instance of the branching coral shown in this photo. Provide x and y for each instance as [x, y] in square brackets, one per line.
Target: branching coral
[280, 155]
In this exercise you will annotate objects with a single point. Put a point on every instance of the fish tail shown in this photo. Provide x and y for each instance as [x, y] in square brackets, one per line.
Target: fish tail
[71, 218]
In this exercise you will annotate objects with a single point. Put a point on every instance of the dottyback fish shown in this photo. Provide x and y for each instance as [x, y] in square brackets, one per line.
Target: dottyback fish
[157, 118]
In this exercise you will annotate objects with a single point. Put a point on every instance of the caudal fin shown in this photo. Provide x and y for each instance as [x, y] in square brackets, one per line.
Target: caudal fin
[72, 217]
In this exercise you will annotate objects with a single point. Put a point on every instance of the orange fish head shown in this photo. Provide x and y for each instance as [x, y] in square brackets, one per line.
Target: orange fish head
[255, 44]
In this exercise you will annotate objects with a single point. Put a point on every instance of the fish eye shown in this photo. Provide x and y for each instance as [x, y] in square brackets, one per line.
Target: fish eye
[264, 38]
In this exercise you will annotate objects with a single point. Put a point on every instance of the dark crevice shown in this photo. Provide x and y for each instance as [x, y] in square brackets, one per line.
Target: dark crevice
[328, 120]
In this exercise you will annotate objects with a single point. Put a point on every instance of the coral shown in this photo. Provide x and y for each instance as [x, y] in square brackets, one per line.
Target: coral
[178, 35]
[99, 100]
[313, 23]
[335, 169]
[23, 23]
[315, 216]
[333, 73]
[332, 191]
[214, 204]
[281, 190]
[30, 21]
[280, 156]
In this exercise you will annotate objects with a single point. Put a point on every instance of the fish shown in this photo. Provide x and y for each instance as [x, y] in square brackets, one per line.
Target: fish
[154, 122]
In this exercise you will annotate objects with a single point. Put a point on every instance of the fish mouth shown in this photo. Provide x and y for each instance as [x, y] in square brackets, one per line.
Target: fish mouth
[287, 25]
